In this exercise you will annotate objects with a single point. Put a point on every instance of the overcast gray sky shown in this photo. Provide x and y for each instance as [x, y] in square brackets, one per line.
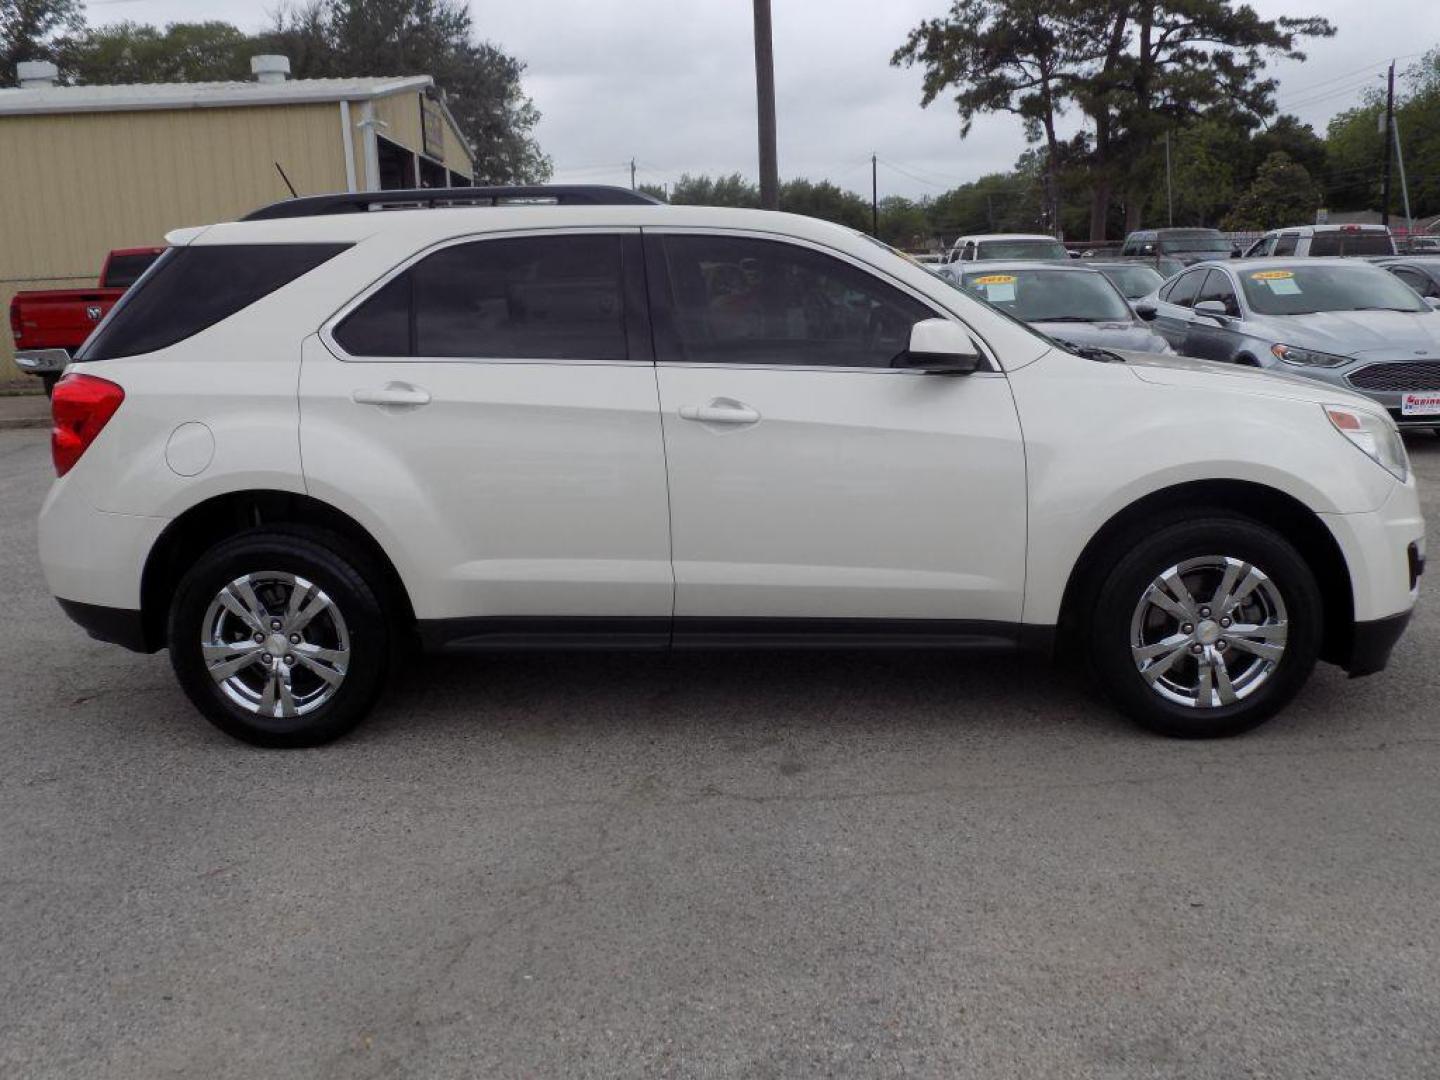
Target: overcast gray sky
[670, 82]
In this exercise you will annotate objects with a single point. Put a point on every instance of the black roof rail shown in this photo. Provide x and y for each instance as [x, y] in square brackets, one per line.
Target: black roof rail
[359, 202]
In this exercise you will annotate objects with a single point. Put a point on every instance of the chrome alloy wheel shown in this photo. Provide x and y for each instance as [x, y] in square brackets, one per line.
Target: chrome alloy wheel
[275, 644]
[1208, 632]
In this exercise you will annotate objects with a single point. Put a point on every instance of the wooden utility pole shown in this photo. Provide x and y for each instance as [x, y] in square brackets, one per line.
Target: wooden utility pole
[765, 102]
[632, 174]
[1389, 139]
[874, 200]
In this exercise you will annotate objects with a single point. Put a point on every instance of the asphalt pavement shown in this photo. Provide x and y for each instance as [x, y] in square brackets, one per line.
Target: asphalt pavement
[754, 866]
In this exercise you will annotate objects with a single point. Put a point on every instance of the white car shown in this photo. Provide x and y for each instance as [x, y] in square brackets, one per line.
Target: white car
[306, 440]
[1006, 246]
[1305, 241]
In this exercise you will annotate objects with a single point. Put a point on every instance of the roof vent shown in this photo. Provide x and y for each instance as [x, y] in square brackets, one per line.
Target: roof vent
[270, 69]
[36, 74]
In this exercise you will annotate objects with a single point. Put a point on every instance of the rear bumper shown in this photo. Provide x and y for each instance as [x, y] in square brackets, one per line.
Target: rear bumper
[118, 626]
[42, 361]
[1371, 643]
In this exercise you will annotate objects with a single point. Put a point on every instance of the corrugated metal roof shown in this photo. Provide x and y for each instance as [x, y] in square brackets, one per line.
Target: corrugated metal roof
[202, 95]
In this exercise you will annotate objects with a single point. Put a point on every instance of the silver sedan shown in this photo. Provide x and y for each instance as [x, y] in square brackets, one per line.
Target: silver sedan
[1340, 321]
[1079, 307]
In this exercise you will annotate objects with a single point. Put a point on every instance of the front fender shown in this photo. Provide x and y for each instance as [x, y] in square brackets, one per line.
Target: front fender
[1099, 440]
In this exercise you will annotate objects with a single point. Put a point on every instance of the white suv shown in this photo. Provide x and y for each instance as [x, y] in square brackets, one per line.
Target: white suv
[310, 439]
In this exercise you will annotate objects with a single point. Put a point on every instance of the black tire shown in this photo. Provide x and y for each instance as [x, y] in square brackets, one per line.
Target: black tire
[1151, 553]
[48, 383]
[352, 589]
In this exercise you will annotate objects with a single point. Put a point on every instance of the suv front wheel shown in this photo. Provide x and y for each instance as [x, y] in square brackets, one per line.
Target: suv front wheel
[279, 640]
[1207, 627]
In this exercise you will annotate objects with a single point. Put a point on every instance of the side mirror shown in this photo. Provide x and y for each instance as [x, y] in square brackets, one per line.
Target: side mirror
[1147, 312]
[1213, 309]
[939, 347]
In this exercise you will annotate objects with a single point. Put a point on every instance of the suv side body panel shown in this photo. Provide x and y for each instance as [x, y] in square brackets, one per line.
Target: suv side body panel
[519, 488]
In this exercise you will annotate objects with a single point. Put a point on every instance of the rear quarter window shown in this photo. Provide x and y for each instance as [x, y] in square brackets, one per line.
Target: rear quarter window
[191, 289]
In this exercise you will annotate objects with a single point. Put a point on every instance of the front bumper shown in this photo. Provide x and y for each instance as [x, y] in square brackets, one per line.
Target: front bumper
[1371, 642]
[1384, 553]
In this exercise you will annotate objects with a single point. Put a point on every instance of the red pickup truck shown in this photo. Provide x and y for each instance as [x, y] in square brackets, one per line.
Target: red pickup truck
[49, 326]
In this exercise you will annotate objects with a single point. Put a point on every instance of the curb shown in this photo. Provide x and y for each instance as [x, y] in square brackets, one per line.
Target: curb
[20, 423]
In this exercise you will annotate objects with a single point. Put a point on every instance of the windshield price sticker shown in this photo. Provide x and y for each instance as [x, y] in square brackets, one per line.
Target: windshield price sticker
[998, 288]
[1420, 405]
[1281, 282]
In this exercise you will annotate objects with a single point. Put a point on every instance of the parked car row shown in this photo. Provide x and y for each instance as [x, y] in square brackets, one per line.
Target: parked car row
[1078, 305]
[1366, 326]
[1345, 322]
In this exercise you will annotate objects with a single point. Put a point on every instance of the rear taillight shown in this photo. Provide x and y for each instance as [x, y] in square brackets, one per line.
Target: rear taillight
[15, 317]
[81, 406]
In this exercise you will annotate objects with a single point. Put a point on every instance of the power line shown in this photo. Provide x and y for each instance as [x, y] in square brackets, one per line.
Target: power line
[1302, 90]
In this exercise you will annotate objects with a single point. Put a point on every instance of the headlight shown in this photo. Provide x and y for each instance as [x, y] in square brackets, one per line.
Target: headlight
[1308, 357]
[1376, 436]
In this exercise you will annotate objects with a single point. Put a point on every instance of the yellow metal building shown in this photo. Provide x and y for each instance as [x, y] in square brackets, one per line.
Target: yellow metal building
[86, 169]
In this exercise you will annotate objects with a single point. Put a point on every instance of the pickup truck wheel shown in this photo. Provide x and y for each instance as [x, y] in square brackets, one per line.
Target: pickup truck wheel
[48, 382]
[1207, 627]
[279, 640]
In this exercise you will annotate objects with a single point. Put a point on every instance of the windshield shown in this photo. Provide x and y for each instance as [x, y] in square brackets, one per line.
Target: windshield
[1051, 295]
[1020, 249]
[1195, 243]
[1133, 281]
[1303, 289]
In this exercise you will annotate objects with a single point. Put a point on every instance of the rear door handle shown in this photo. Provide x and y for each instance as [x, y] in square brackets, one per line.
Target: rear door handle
[401, 394]
[721, 411]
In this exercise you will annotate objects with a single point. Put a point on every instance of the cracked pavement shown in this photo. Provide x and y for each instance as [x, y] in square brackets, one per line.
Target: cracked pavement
[747, 865]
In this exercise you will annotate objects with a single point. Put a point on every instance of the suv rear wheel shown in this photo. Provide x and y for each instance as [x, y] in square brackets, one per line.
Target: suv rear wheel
[279, 640]
[1207, 627]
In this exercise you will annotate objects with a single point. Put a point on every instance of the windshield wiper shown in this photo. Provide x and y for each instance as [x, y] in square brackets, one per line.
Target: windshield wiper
[1092, 352]
[1072, 318]
[1411, 311]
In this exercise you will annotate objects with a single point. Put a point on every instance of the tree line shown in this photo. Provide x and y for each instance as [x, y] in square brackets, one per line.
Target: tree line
[322, 38]
[1226, 173]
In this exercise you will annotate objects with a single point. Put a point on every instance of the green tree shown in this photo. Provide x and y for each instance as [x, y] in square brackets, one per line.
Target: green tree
[655, 191]
[33, 29]
[1134, 67]
[732, 190]
[1355, 146]
[1207, 167]
[329, 38]
[1298, 140]
[1282, 193]
[129, 52]
[1026, 57]
[904, 222]
[822, 199]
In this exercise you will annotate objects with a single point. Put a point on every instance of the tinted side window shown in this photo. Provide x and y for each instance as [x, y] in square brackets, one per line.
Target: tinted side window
[528, 298]
[1286, 245]
[194, 288]
[1416, 280]
[740, 301]
[1218, 287]
[381, 326]
[1185, 287]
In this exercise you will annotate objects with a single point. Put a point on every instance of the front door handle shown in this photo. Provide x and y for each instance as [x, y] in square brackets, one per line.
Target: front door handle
[721, 411]
[401, 394]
